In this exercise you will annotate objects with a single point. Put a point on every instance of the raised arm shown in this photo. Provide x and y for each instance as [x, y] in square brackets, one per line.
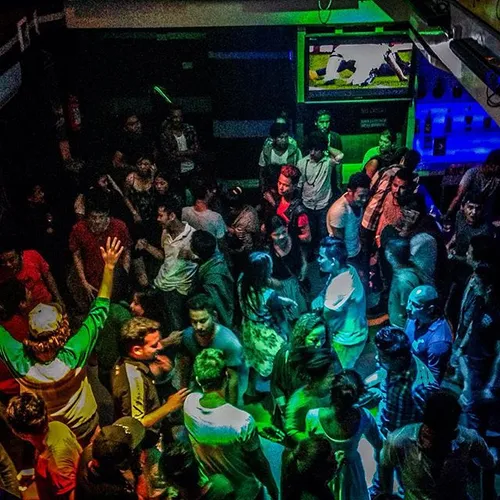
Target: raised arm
[110, 255]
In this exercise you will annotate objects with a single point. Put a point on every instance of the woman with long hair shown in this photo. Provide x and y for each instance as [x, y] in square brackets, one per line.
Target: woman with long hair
[343, 423]
[264, 329]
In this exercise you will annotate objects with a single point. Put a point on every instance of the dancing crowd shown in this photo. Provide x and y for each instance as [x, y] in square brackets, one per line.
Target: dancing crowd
[166, 336]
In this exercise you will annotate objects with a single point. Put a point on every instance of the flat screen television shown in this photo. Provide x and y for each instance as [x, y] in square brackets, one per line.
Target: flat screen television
[364, 66]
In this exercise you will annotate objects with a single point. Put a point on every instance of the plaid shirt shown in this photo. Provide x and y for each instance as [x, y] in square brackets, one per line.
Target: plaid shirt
[404, 395]
[168, 142]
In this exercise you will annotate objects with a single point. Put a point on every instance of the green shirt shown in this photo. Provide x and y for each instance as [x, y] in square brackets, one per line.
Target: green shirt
[62, 382]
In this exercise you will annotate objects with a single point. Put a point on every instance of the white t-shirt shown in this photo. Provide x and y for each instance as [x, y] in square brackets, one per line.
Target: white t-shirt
[276, 159]
[220, 437]
[342, 216]
[315, 182]
[208, 220]
[176, 273]
[188, 165]
[345, 308]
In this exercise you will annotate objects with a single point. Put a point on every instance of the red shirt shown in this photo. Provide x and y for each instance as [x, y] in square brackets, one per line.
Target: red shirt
[17, 326]
[81, 238]
[33, 268]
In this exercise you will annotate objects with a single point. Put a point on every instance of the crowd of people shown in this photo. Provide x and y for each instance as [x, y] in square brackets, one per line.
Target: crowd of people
[341, 311]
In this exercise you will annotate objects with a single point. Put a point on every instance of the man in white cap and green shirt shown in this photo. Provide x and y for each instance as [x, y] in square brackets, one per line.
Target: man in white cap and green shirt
[52, 363]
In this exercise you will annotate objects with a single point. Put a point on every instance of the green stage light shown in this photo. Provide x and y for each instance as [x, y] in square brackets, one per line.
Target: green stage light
[161, 92]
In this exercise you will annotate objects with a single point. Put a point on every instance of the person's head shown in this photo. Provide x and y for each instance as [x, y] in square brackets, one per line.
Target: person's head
[279, 135]
[140, 338]
[393, 348]
[401, 183]
[116, 446]
[259, 270]
[132, 124]
[277, 229]
[11, 253]
[179, 467]
[482, 250]
[491, 166]
[234, 197]
[387, 141]
[310, 465]
[358, 189]
[332, 256]
[412, 210]
[169, 211]
[488, 283]
[203, 245]
[440, 422]
[317, 365]
[472, 207]
[309, 331]
[161, 184]
[397, 252]
[423, 304]
[210, 370]
[27, 416]
[147, 304]
[145, 165]
[48, 332]
[97, 209]
[175, 116]
[203, 189]
[288, 180]
[202, 315]
[346, 389]
[317, 144]
[323, 120]
[411, 159]
[14, 299]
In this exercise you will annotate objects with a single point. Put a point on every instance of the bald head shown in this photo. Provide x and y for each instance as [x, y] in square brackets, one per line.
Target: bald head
[423, 304]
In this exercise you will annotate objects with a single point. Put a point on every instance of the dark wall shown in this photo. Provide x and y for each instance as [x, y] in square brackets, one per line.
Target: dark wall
[231, 82]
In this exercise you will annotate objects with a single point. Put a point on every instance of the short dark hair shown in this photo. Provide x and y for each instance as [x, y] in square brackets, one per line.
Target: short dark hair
[291, 172]
[12, 293]
[320, 113]
[152, 303]
[273, 223]
[234, 196]
[493, 158]
[358, 180]
[172, 205]
[484, 248]
[203, 244]
[393, 342]
[134, 331]
[335, 248]
[200, 186]
[277, 129]
[27, 414]
[475, 197]
[317, 140]
[97, 201]
[174, 107]
[405, 174]
[201, 302]
[442, 411]
[412, 159]
[210, 369]
[400, 249]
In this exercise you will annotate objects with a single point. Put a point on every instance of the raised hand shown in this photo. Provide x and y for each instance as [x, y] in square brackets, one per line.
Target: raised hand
[111, 254]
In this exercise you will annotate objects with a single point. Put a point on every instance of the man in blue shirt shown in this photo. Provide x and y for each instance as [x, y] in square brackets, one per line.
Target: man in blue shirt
[205, 333]
[428, 331]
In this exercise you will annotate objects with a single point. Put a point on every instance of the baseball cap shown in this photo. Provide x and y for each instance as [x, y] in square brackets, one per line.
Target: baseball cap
[115, 443]
[44, 318]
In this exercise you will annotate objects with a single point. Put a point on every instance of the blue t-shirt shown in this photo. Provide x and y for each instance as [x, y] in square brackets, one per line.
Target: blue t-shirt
[431, 344]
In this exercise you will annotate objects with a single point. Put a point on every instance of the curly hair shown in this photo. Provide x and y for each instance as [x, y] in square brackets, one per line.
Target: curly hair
[27, 414]
[49, 341]
[304, 326]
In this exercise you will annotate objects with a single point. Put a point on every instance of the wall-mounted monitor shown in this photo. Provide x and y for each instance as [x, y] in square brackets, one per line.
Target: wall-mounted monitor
[355, 66]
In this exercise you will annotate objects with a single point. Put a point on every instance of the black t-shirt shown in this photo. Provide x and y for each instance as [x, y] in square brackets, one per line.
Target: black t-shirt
[485, 332]
[287, 266]
[92, 484]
